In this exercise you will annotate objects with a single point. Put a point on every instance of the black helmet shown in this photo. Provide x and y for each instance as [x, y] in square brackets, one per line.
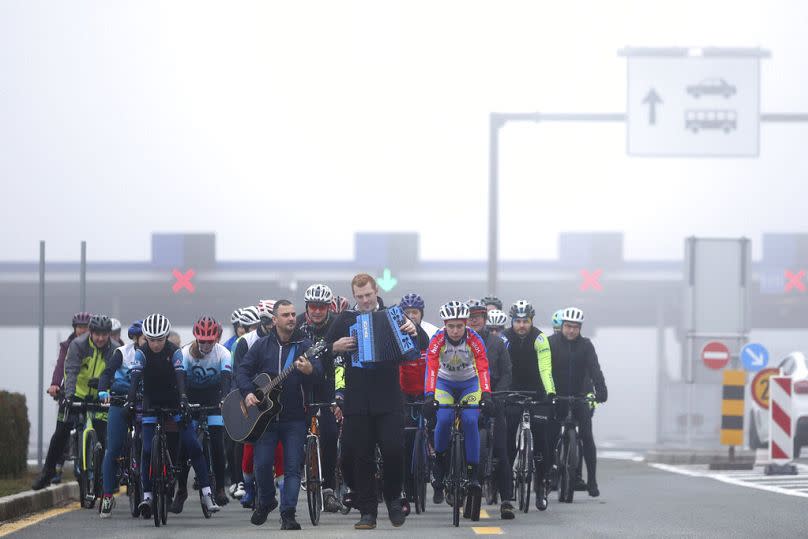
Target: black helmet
[81, 319]
[522, 309]
[100, 323]
[492, 300]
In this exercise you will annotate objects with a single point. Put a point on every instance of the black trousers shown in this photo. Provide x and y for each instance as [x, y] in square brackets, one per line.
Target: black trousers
[361, 435]
[583, 415]
[502, 471]
[328, 446]
[60, 439]
[234, 452]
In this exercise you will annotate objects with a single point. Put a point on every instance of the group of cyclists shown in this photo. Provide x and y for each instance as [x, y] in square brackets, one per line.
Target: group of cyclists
[476, 358]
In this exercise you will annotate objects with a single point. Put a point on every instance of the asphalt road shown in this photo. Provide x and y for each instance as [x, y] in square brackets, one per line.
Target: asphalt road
[636, 500]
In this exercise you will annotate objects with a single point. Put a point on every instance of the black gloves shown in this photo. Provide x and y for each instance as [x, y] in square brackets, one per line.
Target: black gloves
[430, 407]
[601, 396]
[487, 404]
[185, 407]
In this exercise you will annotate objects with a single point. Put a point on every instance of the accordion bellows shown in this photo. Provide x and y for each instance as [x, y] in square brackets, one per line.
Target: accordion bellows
[380, 339]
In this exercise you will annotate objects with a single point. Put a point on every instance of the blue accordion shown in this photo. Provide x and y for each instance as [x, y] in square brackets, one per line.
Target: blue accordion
[380, 339]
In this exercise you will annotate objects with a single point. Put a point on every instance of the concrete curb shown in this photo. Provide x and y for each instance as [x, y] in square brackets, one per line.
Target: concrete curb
[30, 501]
[685, 456]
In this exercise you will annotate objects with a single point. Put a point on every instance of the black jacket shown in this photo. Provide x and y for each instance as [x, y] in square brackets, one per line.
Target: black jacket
[576, 366]
[367, 391]
[524, 362]
[269, 356]
[323, 390]
[499, 361]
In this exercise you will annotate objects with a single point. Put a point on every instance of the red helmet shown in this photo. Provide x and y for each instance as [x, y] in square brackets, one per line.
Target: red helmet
[206, 329]
[339, 304]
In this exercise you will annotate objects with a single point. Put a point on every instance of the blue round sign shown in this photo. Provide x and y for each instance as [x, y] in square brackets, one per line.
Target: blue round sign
[754, 357]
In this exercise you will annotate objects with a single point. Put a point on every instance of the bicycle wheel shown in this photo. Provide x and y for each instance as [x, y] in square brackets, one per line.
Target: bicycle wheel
[419, 472]
[98, 462]
[486, 474]
[169, 484]
[313, 480]
[133, 490]
[156, 472]
[529, 467]
[570, 464]
[88, 469]
[379, 475]
[457, 469]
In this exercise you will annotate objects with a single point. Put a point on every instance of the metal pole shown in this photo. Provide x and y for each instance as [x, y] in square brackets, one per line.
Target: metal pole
[493, 201]
[83, 276]
[41, 375]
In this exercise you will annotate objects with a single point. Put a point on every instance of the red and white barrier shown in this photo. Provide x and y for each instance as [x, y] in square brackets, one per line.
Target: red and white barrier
[782, 422]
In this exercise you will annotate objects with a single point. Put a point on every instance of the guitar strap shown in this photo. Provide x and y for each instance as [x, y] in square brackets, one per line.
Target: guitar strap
[290, 358]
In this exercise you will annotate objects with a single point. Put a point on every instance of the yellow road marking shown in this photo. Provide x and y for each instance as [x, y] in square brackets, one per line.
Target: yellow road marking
[483, 530]
[484, 514]
[16, 525]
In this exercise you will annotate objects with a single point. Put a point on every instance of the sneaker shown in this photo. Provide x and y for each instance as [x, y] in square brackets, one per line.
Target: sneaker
[239, 492]
[580, 485]
[506, 511]
[593, 489]
[145, 508]
[178, 502]
[366, 522]
[288, 522]
[221, 498]
[209, 503]
[107, 505]
[330, 503]
[437, 497]
[232, 489]
[395, 509]
[541, 495]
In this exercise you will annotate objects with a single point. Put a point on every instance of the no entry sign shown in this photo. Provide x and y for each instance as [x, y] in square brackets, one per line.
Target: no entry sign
[715, 355]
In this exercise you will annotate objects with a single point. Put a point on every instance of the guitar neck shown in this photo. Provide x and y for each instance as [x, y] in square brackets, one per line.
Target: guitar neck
[278, 379]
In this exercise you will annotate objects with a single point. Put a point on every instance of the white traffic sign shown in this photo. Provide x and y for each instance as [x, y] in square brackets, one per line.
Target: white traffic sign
[693, 102]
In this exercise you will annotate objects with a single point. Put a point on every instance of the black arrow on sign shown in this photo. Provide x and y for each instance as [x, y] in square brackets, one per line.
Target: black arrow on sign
[653, 100]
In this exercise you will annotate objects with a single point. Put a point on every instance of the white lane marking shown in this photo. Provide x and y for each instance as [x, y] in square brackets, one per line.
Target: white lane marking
[730, 480]
[621, 455]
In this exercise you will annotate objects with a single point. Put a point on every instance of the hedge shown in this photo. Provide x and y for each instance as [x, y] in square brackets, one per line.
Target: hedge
[14, 431]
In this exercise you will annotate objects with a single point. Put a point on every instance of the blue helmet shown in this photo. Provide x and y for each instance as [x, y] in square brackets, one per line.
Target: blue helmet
[412, 301]
[557, 321]
[136, 329]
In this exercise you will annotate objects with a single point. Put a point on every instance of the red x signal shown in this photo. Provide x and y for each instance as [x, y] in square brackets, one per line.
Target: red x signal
[591, 280]
[794, 280]
[183, 281]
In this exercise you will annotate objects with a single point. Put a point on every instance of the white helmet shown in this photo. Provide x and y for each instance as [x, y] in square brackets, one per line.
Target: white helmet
[265, 308]
[318, 293]
[573, 314]
[235, 317]
[454, 310]
[249, 316]
[156, 326]
[116, 324]
[496, 318]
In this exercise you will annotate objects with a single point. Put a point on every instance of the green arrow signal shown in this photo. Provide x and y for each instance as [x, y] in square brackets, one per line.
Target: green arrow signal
[387, 281]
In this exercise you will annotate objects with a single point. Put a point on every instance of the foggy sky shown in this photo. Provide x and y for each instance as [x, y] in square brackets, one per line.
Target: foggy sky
[267, 120]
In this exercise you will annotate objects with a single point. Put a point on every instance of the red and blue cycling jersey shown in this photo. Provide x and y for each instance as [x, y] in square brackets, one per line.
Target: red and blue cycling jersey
[457, 362]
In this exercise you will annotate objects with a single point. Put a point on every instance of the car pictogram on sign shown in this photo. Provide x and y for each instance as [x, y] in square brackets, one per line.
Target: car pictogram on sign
[712, 86]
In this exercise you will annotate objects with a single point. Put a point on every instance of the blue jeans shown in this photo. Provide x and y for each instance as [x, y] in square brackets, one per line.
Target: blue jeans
[292, 434]
[189, 444]
[117, 424]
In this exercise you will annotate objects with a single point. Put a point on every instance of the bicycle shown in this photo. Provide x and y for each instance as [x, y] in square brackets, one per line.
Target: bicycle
[568, 448]
[86, 451]
[163, 471]
[128, 468]
[313, 478]
[524, 464]
[457, 482]
[200, 414]
[419, 461]
[488, 462]
[341, 490]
